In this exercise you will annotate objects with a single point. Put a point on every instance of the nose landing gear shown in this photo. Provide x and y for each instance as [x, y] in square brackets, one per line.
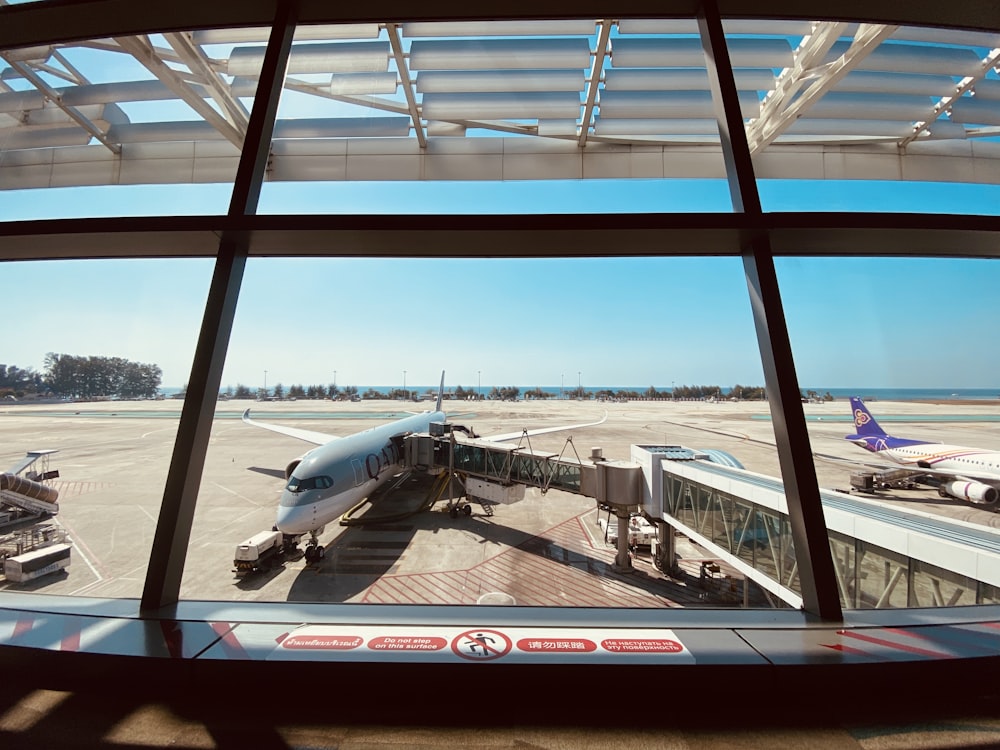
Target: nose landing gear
[314, 550]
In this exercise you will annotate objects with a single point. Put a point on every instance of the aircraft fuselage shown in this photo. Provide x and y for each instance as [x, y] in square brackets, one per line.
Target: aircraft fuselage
[334, 477]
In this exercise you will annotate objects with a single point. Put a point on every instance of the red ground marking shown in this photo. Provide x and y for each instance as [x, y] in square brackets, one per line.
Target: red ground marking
[528, 577]
[898, 646]
[852, 650]
[71, 636]
[230, 643]
[173, 637]
[23, 626]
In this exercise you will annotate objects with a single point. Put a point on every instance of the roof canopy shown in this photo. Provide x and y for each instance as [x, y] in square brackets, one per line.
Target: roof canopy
[505, 100]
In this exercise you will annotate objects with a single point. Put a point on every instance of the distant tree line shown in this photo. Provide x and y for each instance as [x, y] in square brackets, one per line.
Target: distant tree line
[682, 393]
[82, 377]
[17, 382]
[814, 396]
[297, 392]
[90, 377]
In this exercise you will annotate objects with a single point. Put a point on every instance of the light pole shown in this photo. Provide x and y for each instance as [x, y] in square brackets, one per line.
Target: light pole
[479, 387]
[579, 386]
[265, 382]
[562, 386]
[404, 384]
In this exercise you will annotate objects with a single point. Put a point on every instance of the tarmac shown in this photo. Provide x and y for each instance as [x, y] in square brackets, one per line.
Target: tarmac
[546, 550]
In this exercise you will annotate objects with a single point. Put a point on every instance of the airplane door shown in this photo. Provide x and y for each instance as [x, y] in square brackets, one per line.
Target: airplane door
[359, 472]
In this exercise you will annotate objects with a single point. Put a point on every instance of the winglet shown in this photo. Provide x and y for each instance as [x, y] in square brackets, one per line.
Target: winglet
[440, 392]
[246, 416]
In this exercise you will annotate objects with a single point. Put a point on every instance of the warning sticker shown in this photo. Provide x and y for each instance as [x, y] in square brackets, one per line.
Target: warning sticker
[642, 645]
[556, 645]
[409, 643]
[481, 645]
[333, 642]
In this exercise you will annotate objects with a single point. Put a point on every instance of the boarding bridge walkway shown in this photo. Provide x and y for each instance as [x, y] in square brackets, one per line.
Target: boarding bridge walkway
[500, 472]
[884, 557]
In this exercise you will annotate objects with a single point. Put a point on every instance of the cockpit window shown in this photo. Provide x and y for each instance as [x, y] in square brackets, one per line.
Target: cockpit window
[296, 484]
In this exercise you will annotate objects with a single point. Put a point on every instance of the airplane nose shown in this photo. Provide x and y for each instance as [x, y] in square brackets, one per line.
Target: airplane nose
[292, 520]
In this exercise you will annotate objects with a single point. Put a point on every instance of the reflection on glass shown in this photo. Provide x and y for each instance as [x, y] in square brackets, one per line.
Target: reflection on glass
[95, 360]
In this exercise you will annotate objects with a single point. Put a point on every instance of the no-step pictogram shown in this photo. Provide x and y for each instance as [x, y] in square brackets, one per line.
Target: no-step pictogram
[481, 645]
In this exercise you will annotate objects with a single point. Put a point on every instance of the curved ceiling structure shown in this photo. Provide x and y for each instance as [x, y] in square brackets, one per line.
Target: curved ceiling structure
[584, 98]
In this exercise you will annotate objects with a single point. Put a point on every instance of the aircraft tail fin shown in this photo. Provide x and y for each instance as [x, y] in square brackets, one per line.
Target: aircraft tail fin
[440, 392]
[864, 422]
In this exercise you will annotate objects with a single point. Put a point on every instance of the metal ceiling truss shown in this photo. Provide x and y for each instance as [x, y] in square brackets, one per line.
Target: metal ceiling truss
[142, 50]
[787, 103]
[26, 72]
[665, 99]
[404, 74]
[990, 63]
[594, 79]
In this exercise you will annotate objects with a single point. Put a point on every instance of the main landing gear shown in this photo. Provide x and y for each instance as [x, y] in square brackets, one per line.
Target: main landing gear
[456, 508]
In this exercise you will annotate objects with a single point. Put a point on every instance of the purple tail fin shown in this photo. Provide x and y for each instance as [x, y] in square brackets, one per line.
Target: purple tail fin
[864, 422]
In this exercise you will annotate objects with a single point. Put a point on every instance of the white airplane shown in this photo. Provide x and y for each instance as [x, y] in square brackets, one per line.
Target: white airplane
[970, 474]
[329, 480]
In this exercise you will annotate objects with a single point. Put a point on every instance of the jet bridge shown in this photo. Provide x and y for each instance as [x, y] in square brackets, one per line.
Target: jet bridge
[884, 557]
[499, 472]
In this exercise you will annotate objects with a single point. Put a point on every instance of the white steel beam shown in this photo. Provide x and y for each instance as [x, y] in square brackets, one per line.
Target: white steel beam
[404, 77]
[197, 62]
[53, 96]
[991, 61]
[142, 50]
[594, 80]
[779, 111]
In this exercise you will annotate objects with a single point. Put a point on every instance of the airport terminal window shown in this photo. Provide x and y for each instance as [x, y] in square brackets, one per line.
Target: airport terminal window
[505, 107]
[989, 594]
[889, 453]
[101, 349]
[648, 116]
[517, 511]
[132, 126]
[843, 550]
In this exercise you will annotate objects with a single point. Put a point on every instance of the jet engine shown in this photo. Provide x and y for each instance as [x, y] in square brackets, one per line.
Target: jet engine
[974, 492]
[292, 464]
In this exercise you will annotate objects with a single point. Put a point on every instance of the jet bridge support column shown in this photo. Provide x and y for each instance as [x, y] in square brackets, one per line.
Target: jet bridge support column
[619, 486]
[665, 556]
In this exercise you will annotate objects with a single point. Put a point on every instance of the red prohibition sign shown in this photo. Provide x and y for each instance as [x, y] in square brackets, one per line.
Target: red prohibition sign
[481, 645]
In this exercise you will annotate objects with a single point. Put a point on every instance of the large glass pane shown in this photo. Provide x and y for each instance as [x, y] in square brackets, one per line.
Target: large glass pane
[95, 353]
[869, 117]
[632, 351]
[129, 126]
[495, 117]
[895, 384]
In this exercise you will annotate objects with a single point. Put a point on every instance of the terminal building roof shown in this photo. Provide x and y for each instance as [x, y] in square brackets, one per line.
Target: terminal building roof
[505, 100]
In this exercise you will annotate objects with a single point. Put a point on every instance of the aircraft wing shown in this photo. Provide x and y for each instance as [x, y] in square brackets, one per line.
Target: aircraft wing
[316, 438]
[540, 431]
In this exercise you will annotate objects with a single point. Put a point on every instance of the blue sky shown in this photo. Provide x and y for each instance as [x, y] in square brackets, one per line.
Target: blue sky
[629, 322]
[636, 322]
